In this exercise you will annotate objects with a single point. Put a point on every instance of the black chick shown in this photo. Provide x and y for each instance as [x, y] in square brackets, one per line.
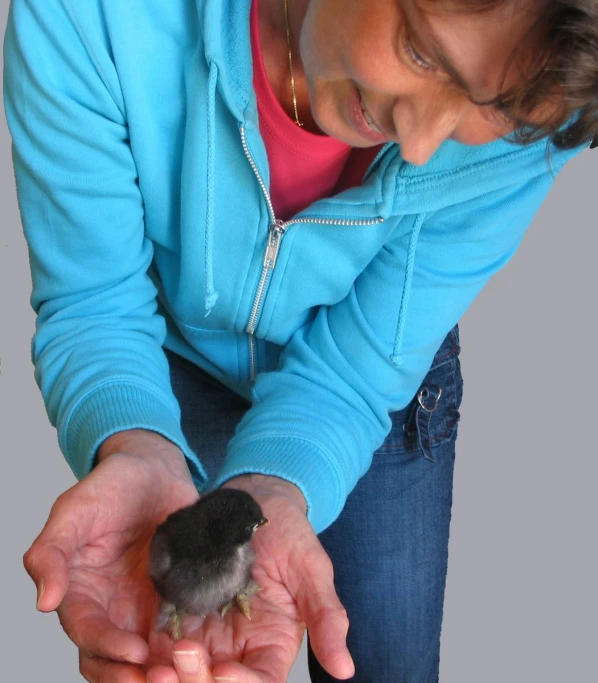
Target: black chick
[200, 558]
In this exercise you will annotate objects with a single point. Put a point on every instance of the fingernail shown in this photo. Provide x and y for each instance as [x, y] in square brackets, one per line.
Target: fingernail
[41, 589]
[186, 660]
[226, 678]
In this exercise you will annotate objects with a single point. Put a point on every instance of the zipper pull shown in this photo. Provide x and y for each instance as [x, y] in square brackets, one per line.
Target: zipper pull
[274, 239]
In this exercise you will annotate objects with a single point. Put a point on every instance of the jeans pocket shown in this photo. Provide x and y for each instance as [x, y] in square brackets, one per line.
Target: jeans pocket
[433, 415]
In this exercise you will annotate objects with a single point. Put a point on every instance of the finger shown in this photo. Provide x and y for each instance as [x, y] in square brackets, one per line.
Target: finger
[99, 670]
[326, 619]
[87, 624]
[47, 560]
[192, 662]
[162, 674]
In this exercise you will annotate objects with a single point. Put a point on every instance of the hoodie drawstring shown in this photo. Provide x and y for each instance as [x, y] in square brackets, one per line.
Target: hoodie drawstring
[396, 357]
[211, 295]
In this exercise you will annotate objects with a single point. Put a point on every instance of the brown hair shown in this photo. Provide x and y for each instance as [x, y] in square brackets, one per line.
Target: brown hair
[562, 72]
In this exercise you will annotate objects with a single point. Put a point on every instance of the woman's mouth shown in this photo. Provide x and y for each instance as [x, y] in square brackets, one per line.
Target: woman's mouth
[369, 119]
[362, 122]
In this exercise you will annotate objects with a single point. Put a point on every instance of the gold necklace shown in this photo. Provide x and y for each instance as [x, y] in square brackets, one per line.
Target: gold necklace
[286, 16]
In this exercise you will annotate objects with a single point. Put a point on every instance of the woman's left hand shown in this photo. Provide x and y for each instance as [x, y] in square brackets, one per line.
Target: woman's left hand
[297, 590]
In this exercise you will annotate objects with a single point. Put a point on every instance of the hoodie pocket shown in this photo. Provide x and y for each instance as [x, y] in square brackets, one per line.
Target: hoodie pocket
[432, 416]
[221, 348]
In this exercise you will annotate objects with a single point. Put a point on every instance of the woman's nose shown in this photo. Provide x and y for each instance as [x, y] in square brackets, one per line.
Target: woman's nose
[422, 129]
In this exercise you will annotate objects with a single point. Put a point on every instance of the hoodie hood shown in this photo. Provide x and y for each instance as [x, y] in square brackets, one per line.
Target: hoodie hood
[405, 188]
[227, 45]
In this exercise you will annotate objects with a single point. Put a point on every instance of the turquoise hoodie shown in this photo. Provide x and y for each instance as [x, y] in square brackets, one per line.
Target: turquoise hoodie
[143, 182]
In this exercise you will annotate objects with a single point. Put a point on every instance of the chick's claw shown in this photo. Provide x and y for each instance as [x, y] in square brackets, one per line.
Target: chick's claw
[243, 603]
[175, 625]
[166, 611]
[242, 600]
[227, 607]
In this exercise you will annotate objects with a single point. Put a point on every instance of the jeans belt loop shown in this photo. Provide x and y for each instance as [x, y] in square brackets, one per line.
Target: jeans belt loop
[428, 398]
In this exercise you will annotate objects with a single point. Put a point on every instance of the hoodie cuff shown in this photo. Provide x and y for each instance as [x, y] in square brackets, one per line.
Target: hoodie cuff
[298, 461]
[115, 408]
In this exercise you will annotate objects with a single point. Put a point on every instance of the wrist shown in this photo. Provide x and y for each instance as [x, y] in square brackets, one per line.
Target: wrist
[147, 445]
[260, 485]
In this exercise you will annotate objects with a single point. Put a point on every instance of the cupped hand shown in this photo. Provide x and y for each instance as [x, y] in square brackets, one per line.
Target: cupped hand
[90, 565]
[90, 560]
[297, 589]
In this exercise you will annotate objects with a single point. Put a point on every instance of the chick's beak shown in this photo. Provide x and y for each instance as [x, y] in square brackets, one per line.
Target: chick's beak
[264, 522]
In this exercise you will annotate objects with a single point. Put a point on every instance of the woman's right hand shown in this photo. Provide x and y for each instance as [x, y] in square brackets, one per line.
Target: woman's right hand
[89, 563]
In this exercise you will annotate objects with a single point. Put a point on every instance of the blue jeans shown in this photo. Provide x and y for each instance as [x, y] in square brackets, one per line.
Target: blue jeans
[389, 547]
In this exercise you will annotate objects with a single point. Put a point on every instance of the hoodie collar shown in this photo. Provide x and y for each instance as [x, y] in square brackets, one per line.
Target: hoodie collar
[227, 45]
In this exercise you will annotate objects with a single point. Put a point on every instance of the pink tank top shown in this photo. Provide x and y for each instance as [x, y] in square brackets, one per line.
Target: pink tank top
[304, 166]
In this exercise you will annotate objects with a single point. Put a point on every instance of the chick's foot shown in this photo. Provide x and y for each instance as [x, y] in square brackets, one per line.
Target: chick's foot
[175, 625]
[242, 600]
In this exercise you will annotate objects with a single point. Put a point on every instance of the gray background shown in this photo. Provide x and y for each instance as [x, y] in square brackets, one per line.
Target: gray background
[521, 593]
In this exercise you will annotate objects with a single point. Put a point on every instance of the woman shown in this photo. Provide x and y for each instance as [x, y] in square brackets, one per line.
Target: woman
[152, 151]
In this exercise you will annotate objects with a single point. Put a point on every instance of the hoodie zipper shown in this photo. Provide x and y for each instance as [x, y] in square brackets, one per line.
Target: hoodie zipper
[276, 232]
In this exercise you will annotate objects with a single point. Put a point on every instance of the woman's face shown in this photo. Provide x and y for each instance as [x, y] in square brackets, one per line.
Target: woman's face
[379, 55]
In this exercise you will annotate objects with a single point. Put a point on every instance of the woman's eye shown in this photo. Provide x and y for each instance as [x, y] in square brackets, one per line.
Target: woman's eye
[416, 58]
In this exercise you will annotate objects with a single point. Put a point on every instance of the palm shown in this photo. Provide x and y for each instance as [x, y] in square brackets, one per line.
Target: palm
[108, 520]
[109, 575]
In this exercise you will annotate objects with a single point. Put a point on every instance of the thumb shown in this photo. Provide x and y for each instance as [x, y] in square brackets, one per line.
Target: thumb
[48, 568]
[325, 617]
[192, 662]
[47, 560]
